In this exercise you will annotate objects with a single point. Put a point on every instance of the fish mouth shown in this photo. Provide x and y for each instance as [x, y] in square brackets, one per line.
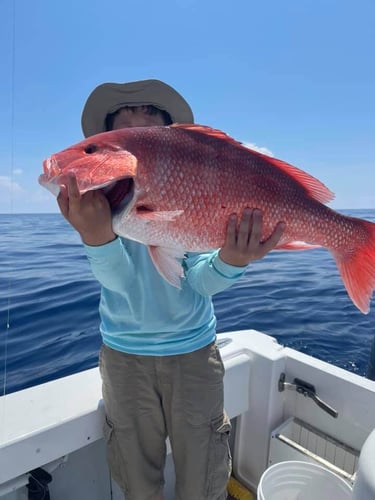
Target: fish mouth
[119, 194]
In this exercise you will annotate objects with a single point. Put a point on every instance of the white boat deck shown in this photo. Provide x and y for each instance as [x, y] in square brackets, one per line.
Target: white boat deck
[58, 425]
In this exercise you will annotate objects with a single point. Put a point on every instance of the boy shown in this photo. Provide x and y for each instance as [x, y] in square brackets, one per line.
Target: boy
[162, 372]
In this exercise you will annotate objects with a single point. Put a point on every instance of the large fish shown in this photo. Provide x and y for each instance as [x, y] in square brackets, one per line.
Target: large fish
[173, 188]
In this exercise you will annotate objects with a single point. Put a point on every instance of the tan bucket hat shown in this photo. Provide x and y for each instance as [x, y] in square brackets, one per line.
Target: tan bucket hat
[110, 97]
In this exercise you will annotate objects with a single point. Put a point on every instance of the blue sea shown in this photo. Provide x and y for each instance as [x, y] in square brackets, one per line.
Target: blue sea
[49, 302]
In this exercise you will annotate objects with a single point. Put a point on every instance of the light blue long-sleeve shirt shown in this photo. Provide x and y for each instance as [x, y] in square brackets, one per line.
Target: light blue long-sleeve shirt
[141, 313]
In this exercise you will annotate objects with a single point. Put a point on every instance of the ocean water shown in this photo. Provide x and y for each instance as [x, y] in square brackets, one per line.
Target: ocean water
[49, 301]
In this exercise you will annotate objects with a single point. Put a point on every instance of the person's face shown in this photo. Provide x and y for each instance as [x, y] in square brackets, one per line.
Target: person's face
[136, 117]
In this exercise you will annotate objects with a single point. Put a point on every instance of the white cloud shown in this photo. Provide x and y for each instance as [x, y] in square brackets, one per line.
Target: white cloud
[15, 198]
[10, 193]
[260, 149]
[7, 184]
[17, 171]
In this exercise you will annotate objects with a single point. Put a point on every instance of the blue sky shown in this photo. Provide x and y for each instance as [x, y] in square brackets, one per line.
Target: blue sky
[294, 76]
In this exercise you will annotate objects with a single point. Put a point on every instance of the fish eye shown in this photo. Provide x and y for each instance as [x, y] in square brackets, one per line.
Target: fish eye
[91, 148]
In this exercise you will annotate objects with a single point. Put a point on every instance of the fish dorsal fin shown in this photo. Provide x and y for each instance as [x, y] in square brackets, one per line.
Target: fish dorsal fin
[315, 188]
[203, 129]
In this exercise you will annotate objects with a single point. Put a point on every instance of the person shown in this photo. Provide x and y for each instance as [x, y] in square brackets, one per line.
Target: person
[161, 370]
[371, 364]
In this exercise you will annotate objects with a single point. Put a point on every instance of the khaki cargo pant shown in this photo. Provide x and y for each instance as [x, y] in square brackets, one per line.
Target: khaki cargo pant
[148, 398]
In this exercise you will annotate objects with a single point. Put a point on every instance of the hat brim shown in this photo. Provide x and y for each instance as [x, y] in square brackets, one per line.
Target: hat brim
[110, 97]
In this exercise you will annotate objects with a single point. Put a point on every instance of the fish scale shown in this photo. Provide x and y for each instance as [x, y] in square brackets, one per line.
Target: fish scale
[187, 181]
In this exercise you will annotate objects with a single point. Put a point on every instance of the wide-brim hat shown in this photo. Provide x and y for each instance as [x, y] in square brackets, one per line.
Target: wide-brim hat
[110, 97]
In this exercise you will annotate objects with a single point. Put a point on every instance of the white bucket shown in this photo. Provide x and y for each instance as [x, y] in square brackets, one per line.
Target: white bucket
[296, 480]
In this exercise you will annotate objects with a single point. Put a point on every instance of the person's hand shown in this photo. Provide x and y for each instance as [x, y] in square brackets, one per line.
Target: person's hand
[89, 214]
[243, 244]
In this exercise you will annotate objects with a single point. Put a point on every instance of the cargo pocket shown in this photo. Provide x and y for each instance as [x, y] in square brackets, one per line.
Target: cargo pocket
[219, 465]
[114, 456]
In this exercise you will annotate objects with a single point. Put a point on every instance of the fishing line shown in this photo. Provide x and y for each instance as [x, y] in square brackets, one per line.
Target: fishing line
[12, 149]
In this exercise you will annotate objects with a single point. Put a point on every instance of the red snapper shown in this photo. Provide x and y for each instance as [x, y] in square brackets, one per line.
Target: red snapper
[173, 188]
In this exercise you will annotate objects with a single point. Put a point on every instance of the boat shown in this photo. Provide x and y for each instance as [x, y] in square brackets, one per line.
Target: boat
[285, 407]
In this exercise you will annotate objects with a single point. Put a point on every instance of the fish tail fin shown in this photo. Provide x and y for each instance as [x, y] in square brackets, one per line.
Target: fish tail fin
[357, 266]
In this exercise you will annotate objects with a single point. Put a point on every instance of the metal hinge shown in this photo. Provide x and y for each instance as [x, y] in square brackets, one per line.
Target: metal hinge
[307, 390]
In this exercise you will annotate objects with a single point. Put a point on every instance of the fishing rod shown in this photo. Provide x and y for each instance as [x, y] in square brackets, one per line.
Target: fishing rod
[12, 154]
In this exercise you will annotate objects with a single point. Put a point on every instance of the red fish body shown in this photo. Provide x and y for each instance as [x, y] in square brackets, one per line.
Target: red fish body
[174, 188]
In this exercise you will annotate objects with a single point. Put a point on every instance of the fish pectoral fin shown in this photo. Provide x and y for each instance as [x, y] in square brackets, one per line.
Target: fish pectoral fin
[296, 245]
[155, 215]
[166, 263]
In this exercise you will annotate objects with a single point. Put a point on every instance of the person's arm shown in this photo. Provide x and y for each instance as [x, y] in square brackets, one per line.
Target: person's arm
[207, 274]
[111, 264]
[90, 215]
[211, 273]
